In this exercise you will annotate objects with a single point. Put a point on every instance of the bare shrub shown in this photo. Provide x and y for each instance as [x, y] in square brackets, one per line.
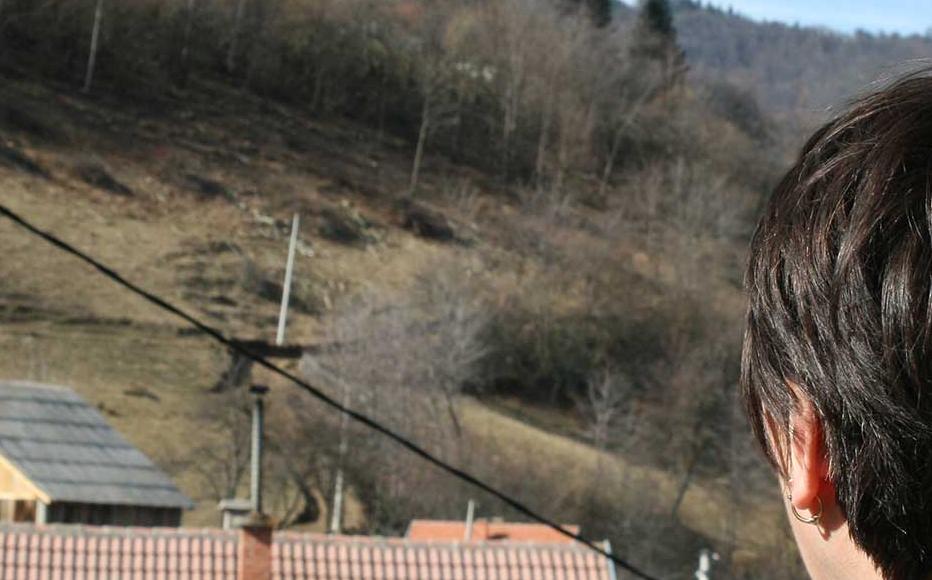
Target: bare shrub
[405, 358]
[222, 461]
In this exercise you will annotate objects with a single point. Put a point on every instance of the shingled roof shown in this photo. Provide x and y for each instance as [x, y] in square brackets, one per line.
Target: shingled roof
[65, 447]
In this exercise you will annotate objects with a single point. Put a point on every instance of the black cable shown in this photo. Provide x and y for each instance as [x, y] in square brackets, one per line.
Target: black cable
[320, 395]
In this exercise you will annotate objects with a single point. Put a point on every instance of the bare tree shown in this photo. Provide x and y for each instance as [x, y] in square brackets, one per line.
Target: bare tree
[623, 110]
[2, 20]
[512, 24]
[235, 32]
[184, 53]
[554, 89]
[405, 358]
[423, 344]
[434, 69]
[92, 53]
[454, 346]
[427, 112]
[607, 393]
[223, 462]
[449, 69]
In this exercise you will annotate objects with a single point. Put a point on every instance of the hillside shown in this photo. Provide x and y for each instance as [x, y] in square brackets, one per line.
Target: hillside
[522, 243]
[791, 70]
[521, 246]
[63, 324]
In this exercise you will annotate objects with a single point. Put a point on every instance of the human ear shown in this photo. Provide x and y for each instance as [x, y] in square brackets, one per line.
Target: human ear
[808, 468]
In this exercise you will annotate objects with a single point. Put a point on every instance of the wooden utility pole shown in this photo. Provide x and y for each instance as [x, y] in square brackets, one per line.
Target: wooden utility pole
[95, 39]
[286, 287]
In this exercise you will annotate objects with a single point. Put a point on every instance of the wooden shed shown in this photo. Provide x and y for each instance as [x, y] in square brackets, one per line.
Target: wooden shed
[60, 462]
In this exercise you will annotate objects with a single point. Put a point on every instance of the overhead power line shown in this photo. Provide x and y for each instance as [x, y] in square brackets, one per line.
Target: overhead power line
[362, 418]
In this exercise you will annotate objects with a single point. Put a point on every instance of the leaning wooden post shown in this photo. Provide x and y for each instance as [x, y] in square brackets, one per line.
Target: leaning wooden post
[286, 291]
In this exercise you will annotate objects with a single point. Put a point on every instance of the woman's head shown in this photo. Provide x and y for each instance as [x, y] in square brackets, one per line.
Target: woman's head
[837, 358]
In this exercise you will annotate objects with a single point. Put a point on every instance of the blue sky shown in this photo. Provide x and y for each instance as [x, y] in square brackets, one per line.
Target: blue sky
[903, 16]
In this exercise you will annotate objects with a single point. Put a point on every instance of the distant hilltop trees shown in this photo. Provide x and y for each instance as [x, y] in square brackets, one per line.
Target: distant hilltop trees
[534, 92]
[790, 68]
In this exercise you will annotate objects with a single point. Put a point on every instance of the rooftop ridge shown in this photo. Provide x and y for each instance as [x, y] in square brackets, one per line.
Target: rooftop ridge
[122, 445]
[344, 539]
[35, 385]
[74, 530]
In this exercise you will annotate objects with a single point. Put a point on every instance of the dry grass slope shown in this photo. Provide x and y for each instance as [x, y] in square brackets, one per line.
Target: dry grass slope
[63, 324]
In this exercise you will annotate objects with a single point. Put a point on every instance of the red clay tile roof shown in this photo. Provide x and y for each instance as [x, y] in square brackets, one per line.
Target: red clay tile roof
[91, 553]
[309, 556]
[85, 553]
[483, 529]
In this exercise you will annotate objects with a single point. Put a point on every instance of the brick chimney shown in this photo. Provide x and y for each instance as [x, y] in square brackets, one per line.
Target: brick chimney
[254, 561]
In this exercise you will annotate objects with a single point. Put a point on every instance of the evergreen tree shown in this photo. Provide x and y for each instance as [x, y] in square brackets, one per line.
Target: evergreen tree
[601, 11]
[656, 17]
[656, 39]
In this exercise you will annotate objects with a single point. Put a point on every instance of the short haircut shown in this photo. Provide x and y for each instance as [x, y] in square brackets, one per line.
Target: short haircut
[839, 285]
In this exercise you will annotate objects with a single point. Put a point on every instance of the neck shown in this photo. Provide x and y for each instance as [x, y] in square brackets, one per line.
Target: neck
[829, 553]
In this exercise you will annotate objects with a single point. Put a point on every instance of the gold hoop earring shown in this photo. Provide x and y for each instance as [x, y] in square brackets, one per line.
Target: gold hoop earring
[813, 519]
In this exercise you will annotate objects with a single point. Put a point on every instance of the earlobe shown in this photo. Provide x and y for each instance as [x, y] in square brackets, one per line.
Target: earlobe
[807, 468]
[810, 519]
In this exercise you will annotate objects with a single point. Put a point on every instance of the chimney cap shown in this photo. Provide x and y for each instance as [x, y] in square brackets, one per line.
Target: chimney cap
[257, 520]
[235, 504]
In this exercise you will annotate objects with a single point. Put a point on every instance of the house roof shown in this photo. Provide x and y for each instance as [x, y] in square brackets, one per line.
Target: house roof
[88, 553]
[129, 553]
[309, 556]
[65, 447]
[483, 529]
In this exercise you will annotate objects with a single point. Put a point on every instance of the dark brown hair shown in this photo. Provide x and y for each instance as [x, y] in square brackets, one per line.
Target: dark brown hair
[840, 303]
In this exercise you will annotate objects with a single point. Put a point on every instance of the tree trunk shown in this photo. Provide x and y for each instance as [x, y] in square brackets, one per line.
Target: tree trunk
[451, 411]
[562, 153]
[184, 64]
[510, 118]
[687, 480]
[419, 151]
[542, 144]
[317, 96]
[616, 140]
[92, 55]
[544, 140]
[381, 134]
[234, 37]
[610, 162]
[1, 21]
